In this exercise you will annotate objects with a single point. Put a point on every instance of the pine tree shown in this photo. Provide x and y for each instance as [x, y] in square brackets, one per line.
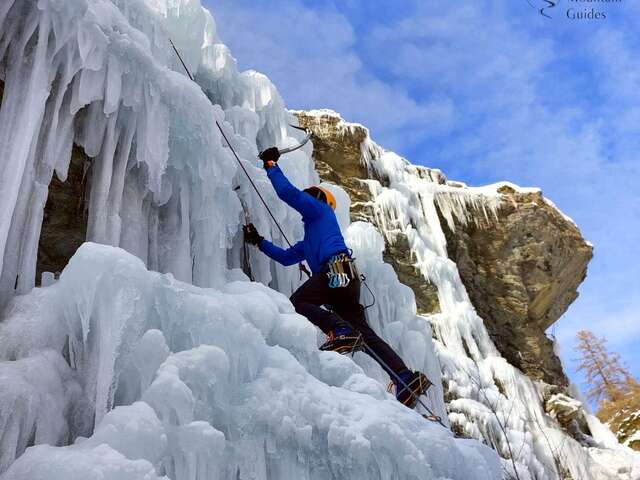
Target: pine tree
[607, 378]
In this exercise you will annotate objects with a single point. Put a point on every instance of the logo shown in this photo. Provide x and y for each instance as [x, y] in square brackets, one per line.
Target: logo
[543, 6]
[575, 9]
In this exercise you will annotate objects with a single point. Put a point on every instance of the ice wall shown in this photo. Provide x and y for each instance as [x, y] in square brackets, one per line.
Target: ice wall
[211, 382]
[488, 398]
[197, 383]
[101, 75]
[118, 372]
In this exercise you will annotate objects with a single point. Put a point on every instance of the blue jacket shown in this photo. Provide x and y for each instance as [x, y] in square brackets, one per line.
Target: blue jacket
[322, 236]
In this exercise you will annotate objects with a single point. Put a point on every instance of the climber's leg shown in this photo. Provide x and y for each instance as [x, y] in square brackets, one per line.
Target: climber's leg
[308, 299]
[347, 305]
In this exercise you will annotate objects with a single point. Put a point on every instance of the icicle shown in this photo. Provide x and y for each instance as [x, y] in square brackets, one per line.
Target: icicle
[230, 383]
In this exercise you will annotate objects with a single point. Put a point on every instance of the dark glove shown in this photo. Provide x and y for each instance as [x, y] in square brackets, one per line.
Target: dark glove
[251, 235]
[270, 156]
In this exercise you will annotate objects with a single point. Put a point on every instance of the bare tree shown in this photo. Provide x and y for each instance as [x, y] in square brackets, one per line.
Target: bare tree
[606, 377]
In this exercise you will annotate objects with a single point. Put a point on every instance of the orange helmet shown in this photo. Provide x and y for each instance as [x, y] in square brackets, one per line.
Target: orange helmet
[322, 194]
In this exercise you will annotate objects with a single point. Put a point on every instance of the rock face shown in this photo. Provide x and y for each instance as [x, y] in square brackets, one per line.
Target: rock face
[522, 273]
[622, 416]
[337, 154]
[521, 269]
[64, 224]
[570, 414]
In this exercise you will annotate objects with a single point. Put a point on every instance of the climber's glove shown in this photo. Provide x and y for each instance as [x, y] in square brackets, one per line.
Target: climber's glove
[269, 157]
[251, 235]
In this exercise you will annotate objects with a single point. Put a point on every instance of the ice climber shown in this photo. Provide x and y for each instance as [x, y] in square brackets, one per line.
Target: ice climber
[334, 283]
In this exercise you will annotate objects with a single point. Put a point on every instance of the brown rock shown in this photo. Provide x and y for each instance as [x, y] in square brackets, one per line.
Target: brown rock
[64, 226]
[522, 273]
[337, 155]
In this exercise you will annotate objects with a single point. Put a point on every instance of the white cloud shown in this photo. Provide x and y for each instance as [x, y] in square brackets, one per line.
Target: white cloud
[310, 55]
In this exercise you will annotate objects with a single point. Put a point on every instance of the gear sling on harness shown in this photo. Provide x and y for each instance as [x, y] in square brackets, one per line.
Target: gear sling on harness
[342, 270]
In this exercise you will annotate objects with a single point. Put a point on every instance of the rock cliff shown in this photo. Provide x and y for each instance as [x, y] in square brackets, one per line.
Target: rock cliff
[521, 267]
[337, 148]
[522, 272]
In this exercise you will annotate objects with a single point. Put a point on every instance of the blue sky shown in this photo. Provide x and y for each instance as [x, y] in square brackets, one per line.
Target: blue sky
[485, 91]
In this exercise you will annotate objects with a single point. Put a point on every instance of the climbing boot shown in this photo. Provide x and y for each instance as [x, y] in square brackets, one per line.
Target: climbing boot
[417, 384]
[343, 340]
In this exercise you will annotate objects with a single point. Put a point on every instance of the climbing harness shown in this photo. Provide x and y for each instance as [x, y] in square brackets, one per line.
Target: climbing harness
[342, 270]
[342, 344]
[301, 267]
[358, 346]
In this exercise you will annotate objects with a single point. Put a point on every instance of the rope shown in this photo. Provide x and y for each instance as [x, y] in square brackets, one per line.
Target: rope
[402, 382]
[246, 265]
[300, 265]
[360, 341]
[364, 282]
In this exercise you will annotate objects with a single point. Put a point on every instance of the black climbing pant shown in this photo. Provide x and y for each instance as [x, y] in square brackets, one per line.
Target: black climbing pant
[345, 308]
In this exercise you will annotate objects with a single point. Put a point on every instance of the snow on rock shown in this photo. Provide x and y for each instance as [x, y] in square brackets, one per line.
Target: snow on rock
[239, 388]
[488, 398]
[564, 408]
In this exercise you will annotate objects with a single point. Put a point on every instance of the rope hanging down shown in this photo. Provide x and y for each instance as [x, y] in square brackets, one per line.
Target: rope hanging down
[246, 264]
[369, 350]
[300, 265]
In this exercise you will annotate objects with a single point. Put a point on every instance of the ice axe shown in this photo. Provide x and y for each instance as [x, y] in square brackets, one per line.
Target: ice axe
[301, 144]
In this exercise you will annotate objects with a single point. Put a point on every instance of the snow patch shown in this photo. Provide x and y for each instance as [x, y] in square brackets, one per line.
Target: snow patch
[242, 388]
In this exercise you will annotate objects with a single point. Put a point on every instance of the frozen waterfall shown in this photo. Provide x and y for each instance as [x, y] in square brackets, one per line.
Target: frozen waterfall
[153, 355]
